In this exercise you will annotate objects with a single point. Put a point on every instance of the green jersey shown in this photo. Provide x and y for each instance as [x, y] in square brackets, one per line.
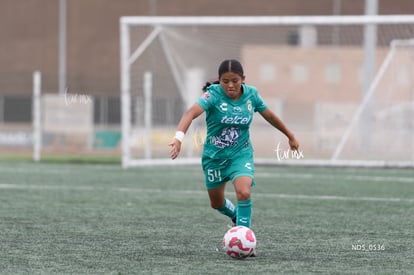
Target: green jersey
[228, 121]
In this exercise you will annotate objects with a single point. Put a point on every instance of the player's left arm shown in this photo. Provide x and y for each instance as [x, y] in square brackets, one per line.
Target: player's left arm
[276, 122]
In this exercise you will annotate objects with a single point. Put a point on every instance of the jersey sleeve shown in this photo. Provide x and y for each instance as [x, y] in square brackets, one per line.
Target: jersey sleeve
[206, 100]
[260, 105]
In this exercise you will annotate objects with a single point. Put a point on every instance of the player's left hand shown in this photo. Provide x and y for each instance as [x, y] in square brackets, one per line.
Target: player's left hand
[294, 144]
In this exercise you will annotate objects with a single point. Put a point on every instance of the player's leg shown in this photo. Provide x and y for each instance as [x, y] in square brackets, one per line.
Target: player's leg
[242, 174]
[216, 178]
[219, 202]
[242, 186]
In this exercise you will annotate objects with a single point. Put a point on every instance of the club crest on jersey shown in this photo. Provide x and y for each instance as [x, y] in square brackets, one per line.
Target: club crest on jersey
[249, 105]
[206, 95]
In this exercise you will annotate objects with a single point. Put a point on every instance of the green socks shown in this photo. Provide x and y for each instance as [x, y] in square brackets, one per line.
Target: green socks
[244, 212]
[228, 209]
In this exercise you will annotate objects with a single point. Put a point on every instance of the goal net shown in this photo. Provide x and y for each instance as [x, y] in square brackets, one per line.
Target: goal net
[382, 127]
[309, 70]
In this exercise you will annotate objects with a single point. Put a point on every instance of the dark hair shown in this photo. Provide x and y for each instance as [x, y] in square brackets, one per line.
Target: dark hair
[229, 65]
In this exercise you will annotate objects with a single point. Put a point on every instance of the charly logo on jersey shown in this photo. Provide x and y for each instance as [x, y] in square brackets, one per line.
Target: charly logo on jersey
[223, 107]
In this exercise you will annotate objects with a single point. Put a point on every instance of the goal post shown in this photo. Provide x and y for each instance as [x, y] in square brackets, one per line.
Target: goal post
[401, 135]
[307, 68]
[36, 114]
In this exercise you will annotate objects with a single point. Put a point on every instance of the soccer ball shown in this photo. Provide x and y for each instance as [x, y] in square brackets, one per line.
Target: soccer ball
[239, 242]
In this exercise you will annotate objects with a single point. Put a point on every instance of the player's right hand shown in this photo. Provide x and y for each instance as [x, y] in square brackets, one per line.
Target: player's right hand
[175, 148]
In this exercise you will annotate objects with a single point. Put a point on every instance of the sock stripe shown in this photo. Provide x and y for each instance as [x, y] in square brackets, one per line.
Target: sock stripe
[228, 209]
[244, 212]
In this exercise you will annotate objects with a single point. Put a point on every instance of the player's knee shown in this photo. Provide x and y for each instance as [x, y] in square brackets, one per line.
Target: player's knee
[243, 195]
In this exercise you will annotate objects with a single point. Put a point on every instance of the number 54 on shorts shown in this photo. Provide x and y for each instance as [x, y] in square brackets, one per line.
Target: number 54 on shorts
[214, 175]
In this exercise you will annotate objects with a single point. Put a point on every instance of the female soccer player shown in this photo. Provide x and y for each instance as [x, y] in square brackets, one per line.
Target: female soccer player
[229, 104]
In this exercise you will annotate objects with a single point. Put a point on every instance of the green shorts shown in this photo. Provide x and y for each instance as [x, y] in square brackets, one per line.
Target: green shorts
[220, 171]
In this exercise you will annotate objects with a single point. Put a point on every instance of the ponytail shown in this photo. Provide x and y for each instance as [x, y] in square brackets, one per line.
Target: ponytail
[208, 84]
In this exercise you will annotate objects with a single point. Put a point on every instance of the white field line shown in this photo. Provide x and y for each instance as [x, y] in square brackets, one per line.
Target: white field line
[366, 178]
[203, 193]
[57, 170]
[274, 195]
[12, 186]
[276, 175]
[334, 177]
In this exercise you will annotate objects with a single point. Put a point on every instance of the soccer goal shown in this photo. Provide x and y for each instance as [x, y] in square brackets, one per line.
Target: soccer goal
[310, 70]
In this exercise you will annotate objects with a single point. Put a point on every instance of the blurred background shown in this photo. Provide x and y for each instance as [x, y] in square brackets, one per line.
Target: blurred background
[75, 45]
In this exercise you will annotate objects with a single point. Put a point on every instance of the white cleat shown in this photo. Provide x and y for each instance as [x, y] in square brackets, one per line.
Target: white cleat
[254, 253]
[232, 223]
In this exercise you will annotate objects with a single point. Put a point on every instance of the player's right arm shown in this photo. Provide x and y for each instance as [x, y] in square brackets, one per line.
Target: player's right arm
[192, 113]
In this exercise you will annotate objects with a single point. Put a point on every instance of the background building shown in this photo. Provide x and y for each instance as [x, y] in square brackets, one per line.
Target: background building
[30, 41]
